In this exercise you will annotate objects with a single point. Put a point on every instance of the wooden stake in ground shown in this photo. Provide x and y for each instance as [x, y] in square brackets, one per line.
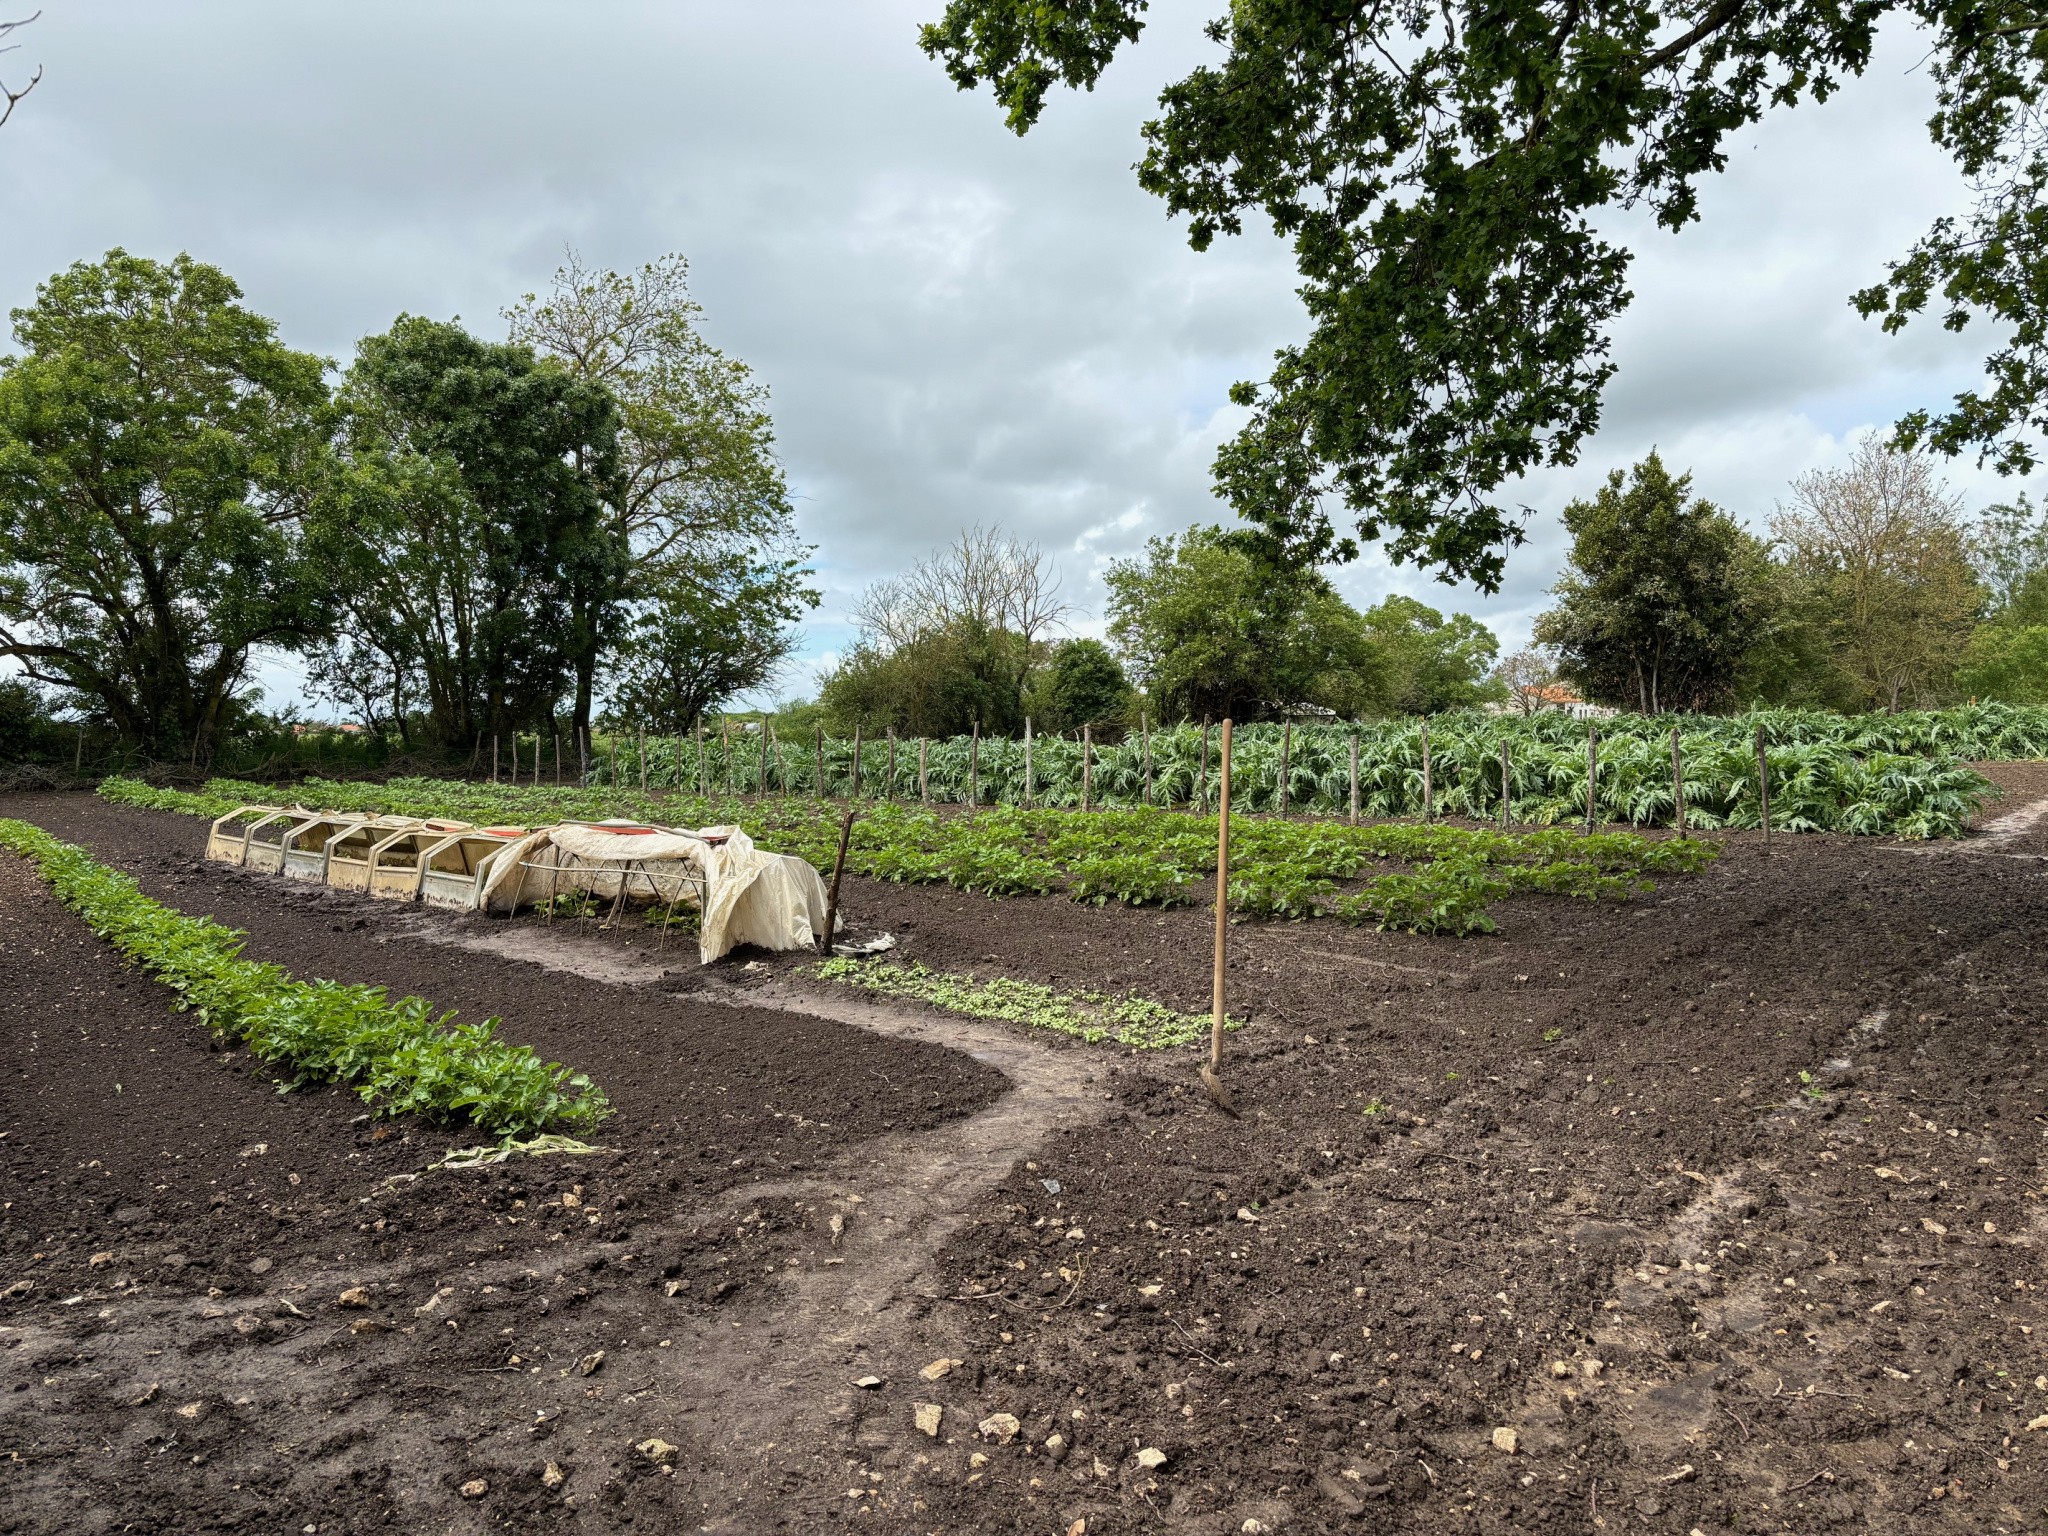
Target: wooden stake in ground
[643, 759]
[818, 778]
[1145, 730]
[1202, 782]
[1428, 804]
[583, 757]
[494, 757]
[854, 792]
[1087, 765]
[679, 762]
[1354, 778]
[1212, 1079]
[974, 766]
[536, 759]
[838, 869]
[924, 777]
[1504, 791]
[1677, 785]
[615, 765]
[558, 759]
[889, 788]
[78, 754]
[703, 768]
[725, 750]
[1286, 750]
[1030, 780]
[1592, 774]
[1763, 787]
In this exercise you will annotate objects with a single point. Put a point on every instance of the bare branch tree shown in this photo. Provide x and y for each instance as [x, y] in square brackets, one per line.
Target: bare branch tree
[8, 95]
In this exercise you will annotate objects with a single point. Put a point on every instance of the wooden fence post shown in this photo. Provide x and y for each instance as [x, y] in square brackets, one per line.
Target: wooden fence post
[889, 789]
[1677, 784]
[1354, 778]
[1592, 774]
[583, 757]
[818, 781]
[1212, 1080]
[1763, 787]
[643, 759]
[1428, 800]
[615, 764]
[1504, 790]
[494, 757]
[1202, 781]
[703, 767]
[1145, 730]
[536, 759]
[853, 787]
[974, 766]
[1030, 779]
[558, 759]
[838, 869]
[725, 750]
[1286, 748]
[924, 777]
[1087, 765]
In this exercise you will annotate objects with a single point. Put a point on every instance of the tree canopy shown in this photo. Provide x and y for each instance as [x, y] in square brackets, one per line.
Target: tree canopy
[158, 446]
[1662, 596]
[1447, 176]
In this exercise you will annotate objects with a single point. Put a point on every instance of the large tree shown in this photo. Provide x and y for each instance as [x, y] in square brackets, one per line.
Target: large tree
[1211, 628]
[702, 509]
[1450, 178]
[1881, 547]
[1428, 662]
[1662, 596]
[157, 447]
[468, 524]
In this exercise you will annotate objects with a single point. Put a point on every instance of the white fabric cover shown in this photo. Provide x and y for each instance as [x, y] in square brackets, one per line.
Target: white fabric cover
[774, 900]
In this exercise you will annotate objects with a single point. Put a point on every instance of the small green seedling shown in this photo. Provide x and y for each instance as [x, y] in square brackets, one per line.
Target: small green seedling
[1552, 1036]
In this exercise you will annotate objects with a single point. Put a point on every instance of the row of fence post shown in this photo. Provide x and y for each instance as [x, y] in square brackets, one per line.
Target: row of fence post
[1199, 802]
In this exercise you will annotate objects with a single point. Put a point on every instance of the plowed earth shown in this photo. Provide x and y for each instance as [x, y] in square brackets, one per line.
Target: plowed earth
[1719, 1211]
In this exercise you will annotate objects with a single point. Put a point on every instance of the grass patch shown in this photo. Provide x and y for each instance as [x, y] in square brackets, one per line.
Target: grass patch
[400, 1057]
[1137, 1022]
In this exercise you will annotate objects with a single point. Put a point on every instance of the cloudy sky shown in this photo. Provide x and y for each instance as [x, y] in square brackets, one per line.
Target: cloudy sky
[957, 326]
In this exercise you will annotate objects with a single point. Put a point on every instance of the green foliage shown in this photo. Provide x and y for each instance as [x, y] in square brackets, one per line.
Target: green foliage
[398, 1056]
[1080, 684]
[1126, 1020]
[156, 448]
[1662, 597]
[1426, 663]
[1212, 628]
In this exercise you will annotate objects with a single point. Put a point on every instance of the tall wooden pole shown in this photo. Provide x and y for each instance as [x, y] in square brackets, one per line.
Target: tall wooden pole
[818, 775]
[924, 777]
[615, 764]
[1212, 1079]
[974, 766]
[1087, 765]
[558, 759]
[679, 762]
[1145, 730]
[1030, 779]
[1354, 778]
[1677, 784]
[1428, 802]
[725, 750]
[1763, 787]
[1202, 781]
[889, 789]
[494, 757]
[1504, 788]
[1592, 775]
[643, 759]
[853, 791]
[1286, 748]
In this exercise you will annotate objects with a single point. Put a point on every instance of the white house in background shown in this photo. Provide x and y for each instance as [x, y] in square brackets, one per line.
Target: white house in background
[1543, 697]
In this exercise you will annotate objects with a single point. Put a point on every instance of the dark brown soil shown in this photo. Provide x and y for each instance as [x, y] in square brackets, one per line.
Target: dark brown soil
[1726, 1203]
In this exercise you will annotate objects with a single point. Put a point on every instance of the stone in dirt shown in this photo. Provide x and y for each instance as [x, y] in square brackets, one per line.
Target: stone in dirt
[589, 1364]
[1151, 1458]
[100, 1260]
[354, 1296]
[259, 1266]
[939, 1368]
[928, 1416]
[656, 1449]
[1506, 1440]
[475, 1488]
[999, 1427]
[552, 1475]
[868, 1383]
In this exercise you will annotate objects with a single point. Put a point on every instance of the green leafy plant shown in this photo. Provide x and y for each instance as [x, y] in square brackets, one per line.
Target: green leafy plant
[398, 1055]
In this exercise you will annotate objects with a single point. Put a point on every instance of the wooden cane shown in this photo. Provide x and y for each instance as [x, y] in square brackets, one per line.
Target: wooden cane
[838, 869]
[1212, 1081]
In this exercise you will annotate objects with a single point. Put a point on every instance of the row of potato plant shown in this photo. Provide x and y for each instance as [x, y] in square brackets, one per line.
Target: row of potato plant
[1279, 868]
[400, 1056]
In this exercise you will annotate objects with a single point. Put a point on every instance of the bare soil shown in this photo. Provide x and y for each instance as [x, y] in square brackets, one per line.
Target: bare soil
[1722, 1209]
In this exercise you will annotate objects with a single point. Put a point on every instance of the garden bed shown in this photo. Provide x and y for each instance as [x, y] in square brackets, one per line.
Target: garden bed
[1463, 1166]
